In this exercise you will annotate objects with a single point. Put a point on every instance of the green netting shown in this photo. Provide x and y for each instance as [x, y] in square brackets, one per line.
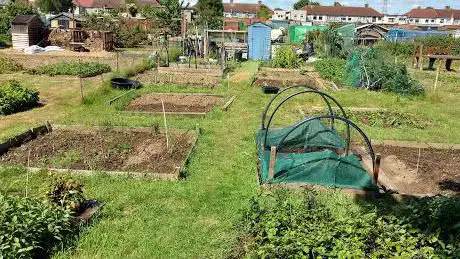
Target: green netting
[297, 32]
[317, 168]
[347, 32]
[311, 134]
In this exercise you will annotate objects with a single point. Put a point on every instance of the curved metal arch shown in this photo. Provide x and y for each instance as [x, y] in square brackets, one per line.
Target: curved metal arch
[332, 116]
[345, 120]
[264, 115]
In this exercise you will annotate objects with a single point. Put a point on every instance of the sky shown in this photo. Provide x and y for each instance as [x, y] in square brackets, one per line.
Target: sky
[395, 6]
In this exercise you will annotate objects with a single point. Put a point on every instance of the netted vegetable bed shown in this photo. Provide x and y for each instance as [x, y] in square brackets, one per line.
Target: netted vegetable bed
[137, 151]
[422, 171]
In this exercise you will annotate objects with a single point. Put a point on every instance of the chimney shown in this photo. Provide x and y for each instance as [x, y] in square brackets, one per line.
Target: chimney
[366, 5]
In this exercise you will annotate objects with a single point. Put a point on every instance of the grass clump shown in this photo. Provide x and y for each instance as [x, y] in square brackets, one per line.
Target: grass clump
[285, 57]
[82, 69]
[16, 98]
[8, 65]
[281, 226]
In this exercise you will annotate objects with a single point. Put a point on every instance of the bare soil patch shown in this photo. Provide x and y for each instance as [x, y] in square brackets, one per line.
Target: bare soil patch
[175, 103]
[284, 78]
[133, 150]
[186, 79]
[435, 171]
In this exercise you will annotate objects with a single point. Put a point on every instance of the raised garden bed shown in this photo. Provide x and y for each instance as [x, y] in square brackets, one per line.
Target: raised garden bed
[183, 79]
[418, 169]
[186, 104]
[284, 78]
[118, 151]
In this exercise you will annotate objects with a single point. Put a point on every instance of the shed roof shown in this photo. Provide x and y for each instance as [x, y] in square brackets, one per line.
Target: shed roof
[24, 19]
[261, 23]
[68, 15]
[342, 11]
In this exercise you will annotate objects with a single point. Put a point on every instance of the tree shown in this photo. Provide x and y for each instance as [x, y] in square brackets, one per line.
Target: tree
[10, 11]
[55, 6]
[264, 12]
[169, 14]
[210, 12]
[302, 3]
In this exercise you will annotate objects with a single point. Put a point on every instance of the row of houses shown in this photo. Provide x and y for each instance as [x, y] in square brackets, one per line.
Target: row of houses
[424, 18]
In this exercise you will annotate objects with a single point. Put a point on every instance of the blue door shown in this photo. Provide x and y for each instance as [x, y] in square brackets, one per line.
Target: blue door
[258, 42]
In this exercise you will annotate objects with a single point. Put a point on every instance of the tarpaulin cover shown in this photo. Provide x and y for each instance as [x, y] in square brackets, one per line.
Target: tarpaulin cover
[324, 167]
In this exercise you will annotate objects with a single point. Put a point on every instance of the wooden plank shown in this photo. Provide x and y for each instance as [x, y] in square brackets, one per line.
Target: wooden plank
[271, 169]
[227, 105]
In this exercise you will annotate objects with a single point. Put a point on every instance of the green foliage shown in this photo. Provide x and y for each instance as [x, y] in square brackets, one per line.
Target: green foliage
[15, 98]
[286, 57]
[141, 67]
[264, 12]
[328, 43]
[367, 68]
[82, 69]
[406, 49]
[66, 192]
[10, 11]
[124, 36]
[55, 6]
[210, 13]
[302, 3]
[389, 119]
[32, 228]
[280, 226]
[8, 65]
[333, 69]
[169, 15]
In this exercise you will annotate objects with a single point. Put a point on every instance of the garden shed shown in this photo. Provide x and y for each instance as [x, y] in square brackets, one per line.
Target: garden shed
[26, 30]
[66, 21]
[368, 34]
[259, 41]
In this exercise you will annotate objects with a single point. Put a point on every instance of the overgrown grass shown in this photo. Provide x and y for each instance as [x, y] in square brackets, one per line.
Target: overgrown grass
[8, 65]
[145, 218]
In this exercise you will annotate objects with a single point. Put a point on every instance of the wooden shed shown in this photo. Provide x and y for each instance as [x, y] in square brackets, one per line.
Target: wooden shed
[26, 30]
[66, 21]
[259, 41]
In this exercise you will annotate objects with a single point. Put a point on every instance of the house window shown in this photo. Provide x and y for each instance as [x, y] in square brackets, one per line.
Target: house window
[441, 21]
[343, 18]
[432, 21]
[349, 18]
[314, 17]
[427, 21]
[320, 18]
[417, 20]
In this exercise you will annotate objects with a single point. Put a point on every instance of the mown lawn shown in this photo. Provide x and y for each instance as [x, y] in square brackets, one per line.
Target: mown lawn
[193, 218]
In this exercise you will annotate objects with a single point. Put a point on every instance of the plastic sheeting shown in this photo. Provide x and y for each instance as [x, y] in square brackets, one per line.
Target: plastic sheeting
[34, 49]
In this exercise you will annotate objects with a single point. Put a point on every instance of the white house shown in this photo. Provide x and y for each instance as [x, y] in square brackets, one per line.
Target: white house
[280, 14]
[241, 10]
[432, 17]
[322, 15]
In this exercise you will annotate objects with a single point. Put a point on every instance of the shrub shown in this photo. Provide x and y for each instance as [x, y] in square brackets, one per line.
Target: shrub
[286, 57]
[141, 67]
[367, 68]
[280, 226]
[15, 98]
[31, 228]
[8, 65]
[82, 69]
[333, 69]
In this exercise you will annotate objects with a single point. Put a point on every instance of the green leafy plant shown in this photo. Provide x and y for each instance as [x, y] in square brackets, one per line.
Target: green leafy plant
[281, 226]
[15, 98]
[333, 69]
[66, 192]
[31, 227]
[286, 57]
[82, 69]
[10, 11]
[8, 65]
